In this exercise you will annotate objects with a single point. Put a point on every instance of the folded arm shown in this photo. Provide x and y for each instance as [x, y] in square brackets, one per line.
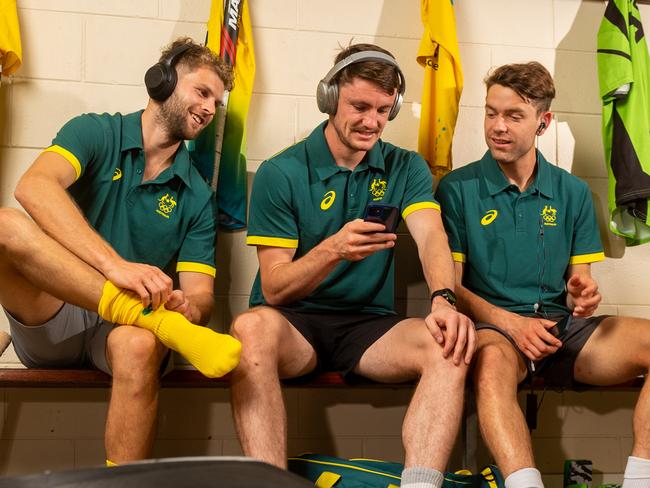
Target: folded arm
[42, 193]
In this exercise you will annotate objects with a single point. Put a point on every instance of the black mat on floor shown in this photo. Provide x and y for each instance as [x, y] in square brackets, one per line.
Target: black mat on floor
[197, 472]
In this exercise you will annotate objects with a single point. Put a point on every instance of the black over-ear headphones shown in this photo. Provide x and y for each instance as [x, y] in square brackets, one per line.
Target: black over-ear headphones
[541, 127]
[327, 93]
[161, 78]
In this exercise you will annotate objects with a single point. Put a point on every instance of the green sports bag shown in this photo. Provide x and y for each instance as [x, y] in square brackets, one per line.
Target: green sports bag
[333, 472]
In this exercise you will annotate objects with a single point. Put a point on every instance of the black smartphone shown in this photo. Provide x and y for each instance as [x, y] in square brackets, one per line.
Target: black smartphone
[561, 326]
[382, 214]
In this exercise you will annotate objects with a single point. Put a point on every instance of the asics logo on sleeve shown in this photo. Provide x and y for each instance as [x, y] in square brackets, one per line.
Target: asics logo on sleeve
[489, 217]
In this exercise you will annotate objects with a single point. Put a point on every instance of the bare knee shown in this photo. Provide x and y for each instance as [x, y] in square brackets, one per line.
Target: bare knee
[259, 334]
[134, 354]
[432, 361]
[258, 330]
[495, 367]
[15, 227]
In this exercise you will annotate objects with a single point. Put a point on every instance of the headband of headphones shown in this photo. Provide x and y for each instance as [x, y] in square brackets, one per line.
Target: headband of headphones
[161, 78]
[327, 93]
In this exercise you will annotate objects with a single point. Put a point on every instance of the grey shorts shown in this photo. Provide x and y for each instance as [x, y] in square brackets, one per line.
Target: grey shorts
[73, 338]
[557, 370]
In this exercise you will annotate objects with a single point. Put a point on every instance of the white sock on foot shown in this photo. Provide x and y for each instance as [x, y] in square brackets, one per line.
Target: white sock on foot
[525, 478]
[421, 477]
[637, 473]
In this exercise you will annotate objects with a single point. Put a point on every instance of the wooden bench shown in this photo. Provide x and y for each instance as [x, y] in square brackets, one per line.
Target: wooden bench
[190, 378]
[179, 378]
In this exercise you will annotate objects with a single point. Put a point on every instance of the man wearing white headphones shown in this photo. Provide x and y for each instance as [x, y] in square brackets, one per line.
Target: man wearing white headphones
[114, 200]
[323, 297]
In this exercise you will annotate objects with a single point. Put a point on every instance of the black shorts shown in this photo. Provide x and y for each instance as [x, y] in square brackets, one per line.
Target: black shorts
[339, 339]
[557, 370]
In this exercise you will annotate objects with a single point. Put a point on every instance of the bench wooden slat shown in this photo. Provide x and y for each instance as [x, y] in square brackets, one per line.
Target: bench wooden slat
[89, 378]
[190, 378]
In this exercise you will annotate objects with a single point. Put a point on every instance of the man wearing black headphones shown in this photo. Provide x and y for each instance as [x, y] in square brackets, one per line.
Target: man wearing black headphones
[114, 200]
[323, 297]
[523, 234]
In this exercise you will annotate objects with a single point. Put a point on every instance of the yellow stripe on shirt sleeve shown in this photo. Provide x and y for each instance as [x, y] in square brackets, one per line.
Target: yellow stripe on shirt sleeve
[458, 257]
[419, 206]
[69, 157]
[272, 242]
[587, 258]
[196, 268]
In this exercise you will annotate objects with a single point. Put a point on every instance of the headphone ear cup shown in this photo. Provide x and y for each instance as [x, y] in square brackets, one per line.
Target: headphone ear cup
[161, 78]
[154, 80]
[321, 96]
[397, 104]
[160, 81]
[327, 97]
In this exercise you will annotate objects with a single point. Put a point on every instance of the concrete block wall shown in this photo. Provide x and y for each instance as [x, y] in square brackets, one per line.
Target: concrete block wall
[91, 56]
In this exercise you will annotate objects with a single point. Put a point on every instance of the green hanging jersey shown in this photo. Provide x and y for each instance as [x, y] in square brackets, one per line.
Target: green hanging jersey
[624, 76]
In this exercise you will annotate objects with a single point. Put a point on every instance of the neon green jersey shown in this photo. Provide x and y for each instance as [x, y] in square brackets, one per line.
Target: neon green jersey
[624, 76]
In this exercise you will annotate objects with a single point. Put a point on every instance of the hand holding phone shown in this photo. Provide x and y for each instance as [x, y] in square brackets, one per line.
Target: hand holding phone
[383, 214]
[561, 326]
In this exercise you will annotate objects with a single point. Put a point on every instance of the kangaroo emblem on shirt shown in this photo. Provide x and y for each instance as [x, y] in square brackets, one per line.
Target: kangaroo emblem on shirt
[166, 205]
[549, 215]
[378, 189]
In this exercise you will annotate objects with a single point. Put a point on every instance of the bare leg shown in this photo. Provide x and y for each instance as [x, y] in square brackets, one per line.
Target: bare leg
[37, 274]
[498, 370]
[135, 356]
[601, 363]
[271, 349]
[41, 275]
[432, 421]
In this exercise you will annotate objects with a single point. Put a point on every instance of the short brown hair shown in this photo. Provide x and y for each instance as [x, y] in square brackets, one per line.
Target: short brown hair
[198, 56]
[382, 74]
[531, 81]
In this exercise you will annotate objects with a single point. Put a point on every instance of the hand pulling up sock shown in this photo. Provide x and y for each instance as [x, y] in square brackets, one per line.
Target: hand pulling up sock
[213, 354]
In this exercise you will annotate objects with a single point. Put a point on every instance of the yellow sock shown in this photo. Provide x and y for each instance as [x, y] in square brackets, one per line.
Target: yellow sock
[110, 464]
[211, 353]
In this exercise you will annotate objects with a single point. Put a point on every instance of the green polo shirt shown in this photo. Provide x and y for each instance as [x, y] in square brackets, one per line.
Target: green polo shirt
[516, 245]
[153, 222]
[300, 197]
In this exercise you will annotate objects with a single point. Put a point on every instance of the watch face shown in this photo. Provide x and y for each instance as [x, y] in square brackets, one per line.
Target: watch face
[447, 294]
[450, 297]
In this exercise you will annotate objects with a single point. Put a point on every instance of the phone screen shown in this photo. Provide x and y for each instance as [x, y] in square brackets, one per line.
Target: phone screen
[383, 214]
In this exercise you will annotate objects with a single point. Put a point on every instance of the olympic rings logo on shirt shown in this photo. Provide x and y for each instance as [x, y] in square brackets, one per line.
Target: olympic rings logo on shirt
[328, 200]
[489, 217]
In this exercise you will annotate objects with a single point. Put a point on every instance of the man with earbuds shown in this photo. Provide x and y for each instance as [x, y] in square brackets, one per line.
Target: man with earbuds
[114, 200]
[523, 234]
[323, 296]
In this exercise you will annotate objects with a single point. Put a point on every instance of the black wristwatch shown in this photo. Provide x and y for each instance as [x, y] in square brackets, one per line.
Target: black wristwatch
[445, 293]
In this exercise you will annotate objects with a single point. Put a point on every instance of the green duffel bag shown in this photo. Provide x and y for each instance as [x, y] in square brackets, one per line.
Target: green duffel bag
[333, 472]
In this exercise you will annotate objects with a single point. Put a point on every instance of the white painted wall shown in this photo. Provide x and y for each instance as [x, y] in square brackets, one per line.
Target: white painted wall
[82, 56]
